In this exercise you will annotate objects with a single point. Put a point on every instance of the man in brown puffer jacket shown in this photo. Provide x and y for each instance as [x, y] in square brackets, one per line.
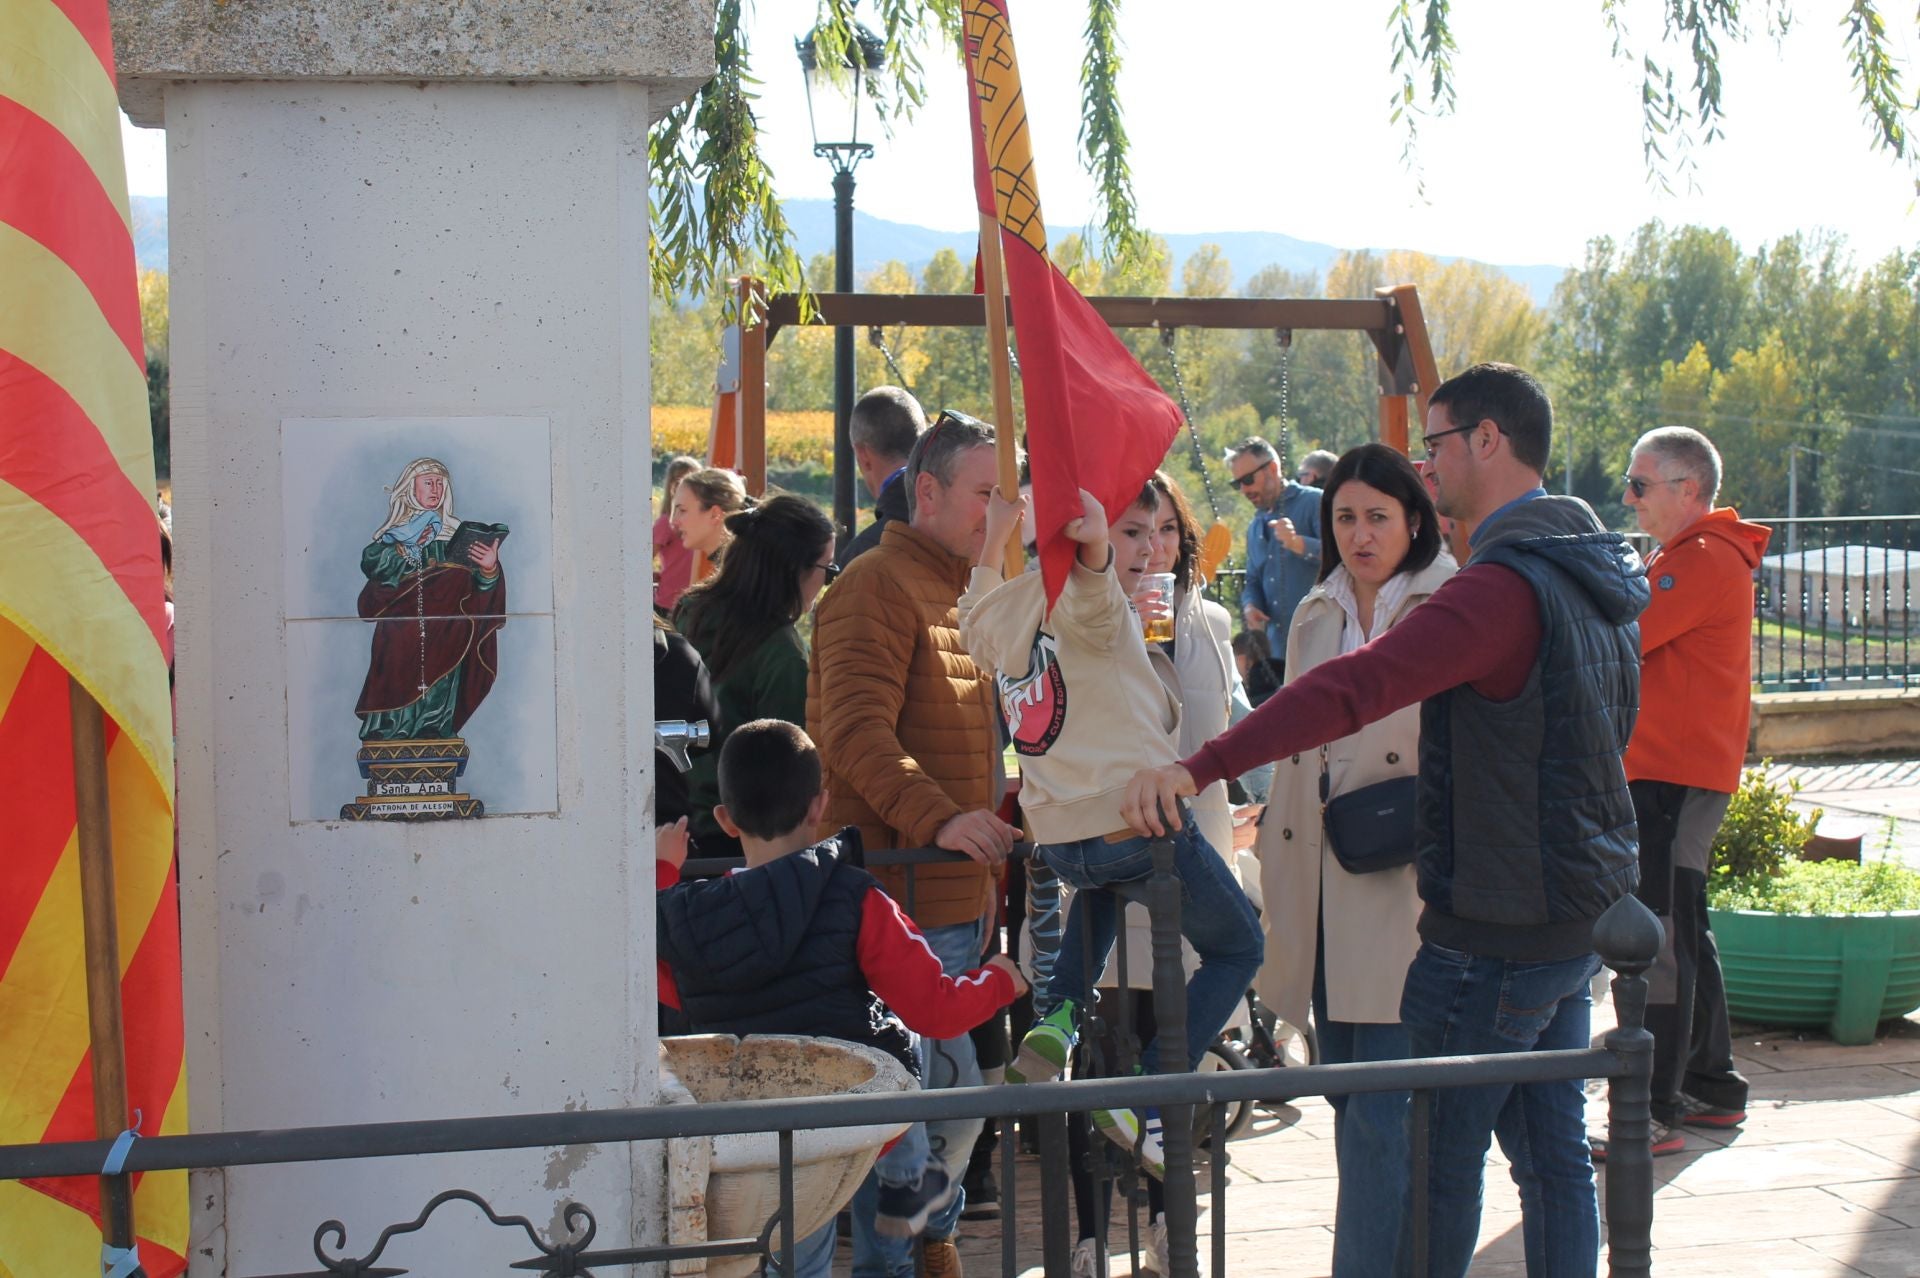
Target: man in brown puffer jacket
[907, 732]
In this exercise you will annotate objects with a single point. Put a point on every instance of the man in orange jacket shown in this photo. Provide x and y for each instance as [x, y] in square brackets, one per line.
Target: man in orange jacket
[1683, 762]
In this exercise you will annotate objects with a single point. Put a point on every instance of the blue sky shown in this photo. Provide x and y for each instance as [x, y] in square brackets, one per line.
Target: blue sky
[1274, 116]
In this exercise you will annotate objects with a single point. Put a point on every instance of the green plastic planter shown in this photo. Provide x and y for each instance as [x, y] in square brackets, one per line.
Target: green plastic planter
[1842, 972]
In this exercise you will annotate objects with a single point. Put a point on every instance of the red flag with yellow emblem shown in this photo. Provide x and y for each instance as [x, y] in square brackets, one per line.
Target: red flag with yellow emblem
[1095, 418]
[81, 600]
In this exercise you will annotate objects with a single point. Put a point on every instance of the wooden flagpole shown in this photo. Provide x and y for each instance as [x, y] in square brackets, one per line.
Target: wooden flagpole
[100, 920]
[993, 275]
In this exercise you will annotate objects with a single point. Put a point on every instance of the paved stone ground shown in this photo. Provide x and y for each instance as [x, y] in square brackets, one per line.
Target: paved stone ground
[1878, 799]
[1823, 1181]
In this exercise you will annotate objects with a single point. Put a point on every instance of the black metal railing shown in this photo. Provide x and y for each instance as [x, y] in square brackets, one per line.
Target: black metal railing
[1834, 604]
[1627, 938]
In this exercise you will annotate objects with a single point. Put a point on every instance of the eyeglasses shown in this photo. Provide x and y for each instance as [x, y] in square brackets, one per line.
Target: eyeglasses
[1305, 477]
[1640, 485]
[1427, 443]
[830, 569]
[1252, 477]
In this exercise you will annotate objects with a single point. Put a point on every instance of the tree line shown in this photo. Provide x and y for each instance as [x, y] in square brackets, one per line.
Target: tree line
[1792, 356]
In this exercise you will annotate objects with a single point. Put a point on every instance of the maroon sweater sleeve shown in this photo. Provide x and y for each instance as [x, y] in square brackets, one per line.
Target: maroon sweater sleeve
[1481, 628]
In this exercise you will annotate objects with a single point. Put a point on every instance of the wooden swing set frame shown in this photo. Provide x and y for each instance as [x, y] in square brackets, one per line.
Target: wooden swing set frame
[1392, 319]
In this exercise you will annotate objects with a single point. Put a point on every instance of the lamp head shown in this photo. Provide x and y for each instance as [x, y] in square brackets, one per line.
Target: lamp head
[839, 78]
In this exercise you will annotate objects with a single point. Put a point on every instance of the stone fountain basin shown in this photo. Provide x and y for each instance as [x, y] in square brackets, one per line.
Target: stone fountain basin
[729, 1186]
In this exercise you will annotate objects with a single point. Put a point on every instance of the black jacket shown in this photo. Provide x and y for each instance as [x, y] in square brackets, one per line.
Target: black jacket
[1525, 827]
[680, 691]
[891, 504]
[775, 950]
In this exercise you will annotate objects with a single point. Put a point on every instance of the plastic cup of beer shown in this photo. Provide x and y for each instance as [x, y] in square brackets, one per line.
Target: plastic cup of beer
[1160, 586]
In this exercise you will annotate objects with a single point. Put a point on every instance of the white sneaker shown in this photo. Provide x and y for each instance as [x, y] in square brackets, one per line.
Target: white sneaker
[1153, 1258]
[1086, 1260]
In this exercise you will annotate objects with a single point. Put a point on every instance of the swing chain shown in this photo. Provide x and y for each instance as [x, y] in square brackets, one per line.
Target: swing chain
[1285, 337]
[1168, 337]
[877, 338]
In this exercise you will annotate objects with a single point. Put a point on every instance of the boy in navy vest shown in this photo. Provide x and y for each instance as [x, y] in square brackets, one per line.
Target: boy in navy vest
[801, 941]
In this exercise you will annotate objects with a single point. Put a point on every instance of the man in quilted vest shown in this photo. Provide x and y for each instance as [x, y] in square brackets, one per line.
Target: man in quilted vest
[907, 731]
[1526, 665]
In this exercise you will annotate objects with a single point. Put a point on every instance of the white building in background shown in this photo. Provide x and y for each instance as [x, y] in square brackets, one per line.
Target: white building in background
[1871, 587]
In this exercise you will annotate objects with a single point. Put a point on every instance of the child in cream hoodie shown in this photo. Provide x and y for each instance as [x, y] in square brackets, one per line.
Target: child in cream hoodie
[1086, 709]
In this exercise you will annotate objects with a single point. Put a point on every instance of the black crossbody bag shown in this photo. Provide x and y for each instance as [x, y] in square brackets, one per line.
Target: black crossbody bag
[1369, 829]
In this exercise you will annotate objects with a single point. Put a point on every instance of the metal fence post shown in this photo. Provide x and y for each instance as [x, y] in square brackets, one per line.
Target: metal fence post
[1170, 1010]
[1627, 937]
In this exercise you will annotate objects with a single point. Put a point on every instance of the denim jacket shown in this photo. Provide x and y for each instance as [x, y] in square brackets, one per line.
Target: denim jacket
[1277, 579]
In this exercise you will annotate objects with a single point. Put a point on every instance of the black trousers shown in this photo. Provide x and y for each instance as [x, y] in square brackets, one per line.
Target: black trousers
[1687, 1000]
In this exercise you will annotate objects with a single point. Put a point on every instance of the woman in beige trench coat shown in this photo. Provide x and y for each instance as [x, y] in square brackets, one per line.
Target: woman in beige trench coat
[1337, 941]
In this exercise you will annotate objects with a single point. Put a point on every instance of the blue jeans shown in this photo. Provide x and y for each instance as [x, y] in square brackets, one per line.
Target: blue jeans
[1459, 1004]
[1369, 1144]
[1215, 916]
[909, 1157]
[813, 1257]
[944, 1062]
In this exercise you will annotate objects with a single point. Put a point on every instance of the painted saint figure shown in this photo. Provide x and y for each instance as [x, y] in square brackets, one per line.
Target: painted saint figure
[439, 602]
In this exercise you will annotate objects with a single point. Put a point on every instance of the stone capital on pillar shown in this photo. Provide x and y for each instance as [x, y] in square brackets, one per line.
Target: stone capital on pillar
[668, 47]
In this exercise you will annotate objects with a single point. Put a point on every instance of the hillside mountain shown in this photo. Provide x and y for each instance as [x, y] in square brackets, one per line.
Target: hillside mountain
[877, 241]
[149, 231]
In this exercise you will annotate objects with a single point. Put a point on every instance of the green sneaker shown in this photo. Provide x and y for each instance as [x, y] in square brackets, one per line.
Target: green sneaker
[1045, 1050]
[1138, 1131]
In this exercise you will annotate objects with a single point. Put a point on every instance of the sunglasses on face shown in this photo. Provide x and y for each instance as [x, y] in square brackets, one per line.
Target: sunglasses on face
[1640, 486]
[1249, 479]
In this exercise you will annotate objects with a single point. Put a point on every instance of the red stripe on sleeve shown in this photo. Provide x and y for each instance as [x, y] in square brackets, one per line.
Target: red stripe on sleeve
[63, 207]
[904, 971]
[52, 452]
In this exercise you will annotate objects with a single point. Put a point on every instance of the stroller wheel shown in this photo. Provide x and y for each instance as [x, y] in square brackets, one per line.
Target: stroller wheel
[1222, 1054]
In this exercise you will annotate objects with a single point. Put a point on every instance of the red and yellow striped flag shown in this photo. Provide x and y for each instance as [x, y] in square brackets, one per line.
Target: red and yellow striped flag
[1095, 418]
[80, 596]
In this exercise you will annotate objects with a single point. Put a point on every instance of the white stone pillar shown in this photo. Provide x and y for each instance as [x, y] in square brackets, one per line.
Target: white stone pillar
[433, 212]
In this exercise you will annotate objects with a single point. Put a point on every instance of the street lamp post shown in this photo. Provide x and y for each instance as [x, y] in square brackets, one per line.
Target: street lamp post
[868, 55]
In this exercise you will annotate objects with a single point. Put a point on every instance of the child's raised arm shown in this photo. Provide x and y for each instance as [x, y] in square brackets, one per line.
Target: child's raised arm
[1090, 530]
[1003, 516]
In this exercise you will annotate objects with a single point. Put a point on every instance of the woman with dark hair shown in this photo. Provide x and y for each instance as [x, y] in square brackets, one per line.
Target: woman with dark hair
[742, 623]
[1202, 657]
[1337, 940]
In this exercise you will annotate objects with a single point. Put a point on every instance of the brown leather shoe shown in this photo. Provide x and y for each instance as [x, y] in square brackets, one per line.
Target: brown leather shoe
[941, 1258]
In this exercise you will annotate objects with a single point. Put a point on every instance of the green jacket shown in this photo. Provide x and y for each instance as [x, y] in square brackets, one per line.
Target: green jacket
[770, 684]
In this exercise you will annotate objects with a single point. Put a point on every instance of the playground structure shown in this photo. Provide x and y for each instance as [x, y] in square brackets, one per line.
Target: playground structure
[1391, 318]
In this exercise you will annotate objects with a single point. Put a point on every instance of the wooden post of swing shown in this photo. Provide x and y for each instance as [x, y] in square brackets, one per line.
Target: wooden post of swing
[993, 275]
[753, 384]
[100, 921]
[1407, 403]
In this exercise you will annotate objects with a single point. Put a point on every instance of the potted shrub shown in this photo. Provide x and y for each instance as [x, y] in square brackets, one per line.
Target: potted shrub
[1827, 944]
